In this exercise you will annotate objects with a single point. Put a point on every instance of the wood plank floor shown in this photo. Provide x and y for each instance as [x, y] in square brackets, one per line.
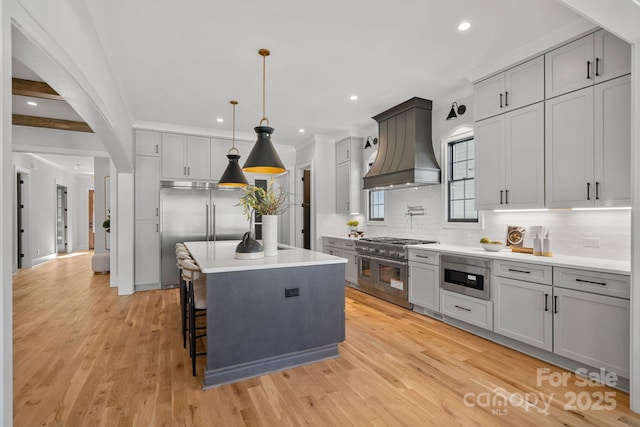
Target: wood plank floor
[85, 357]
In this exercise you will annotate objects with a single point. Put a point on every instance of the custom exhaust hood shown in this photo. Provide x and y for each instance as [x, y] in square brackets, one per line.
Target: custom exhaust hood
[405, 151]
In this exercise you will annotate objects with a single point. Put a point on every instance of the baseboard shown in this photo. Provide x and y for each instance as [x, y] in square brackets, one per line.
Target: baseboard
[147, 287]
[42, 259]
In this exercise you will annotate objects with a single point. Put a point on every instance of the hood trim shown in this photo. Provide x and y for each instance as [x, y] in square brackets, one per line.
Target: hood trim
[405, 154]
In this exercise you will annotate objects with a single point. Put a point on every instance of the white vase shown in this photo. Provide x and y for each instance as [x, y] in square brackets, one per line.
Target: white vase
[270, 235]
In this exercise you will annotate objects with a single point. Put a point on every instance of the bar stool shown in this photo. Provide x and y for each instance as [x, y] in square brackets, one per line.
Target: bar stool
[197, 303]
[182, 255]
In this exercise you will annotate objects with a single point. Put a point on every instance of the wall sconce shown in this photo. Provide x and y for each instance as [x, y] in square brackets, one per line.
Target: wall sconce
[370, 141]
[460, 110]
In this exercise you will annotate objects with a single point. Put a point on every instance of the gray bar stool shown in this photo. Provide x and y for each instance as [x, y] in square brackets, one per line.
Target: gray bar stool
[197, 304]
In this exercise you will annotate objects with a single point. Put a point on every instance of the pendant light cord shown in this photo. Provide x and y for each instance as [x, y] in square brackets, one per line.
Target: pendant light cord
[264, 53]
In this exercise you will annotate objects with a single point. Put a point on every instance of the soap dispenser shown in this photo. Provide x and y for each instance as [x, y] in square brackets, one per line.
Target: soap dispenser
[537, 244]
[546, 246]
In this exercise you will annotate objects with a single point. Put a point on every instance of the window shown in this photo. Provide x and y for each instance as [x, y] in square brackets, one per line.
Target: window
[461, 202]
[376, 205]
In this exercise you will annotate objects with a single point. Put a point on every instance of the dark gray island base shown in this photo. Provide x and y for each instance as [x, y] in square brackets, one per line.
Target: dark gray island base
[256, 324]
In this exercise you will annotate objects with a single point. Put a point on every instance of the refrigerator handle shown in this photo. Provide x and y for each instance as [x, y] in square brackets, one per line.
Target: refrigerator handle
[213, 222]
[207, 221]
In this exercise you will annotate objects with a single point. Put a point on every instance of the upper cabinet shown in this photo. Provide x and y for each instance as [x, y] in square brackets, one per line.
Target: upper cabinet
[589, 60]
[510, 160]
[517, 87]
[147, 142]
[349, 176]
[185, 157]
[588, 147]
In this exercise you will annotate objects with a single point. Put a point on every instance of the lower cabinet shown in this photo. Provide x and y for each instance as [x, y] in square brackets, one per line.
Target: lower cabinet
[523, 312]
[351, 269]
[424, 279]
[592, 329]
[147, 255]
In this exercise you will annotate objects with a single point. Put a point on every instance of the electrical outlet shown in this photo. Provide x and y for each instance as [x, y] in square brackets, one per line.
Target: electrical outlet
[293, 292]
[591, 242]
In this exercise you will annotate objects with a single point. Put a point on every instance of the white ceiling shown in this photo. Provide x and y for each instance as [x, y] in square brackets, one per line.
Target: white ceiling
[182, 64]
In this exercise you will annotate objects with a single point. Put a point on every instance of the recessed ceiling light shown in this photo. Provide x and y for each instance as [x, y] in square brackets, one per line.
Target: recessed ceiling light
[219, 120]
[301, 130]
[464, 26]
[353, 97]
[33, 104]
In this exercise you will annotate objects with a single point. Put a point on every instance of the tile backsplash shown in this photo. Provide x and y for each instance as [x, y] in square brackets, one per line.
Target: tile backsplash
[567, 228]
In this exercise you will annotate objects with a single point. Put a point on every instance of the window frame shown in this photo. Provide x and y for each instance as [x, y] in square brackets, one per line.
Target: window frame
[376, 220]
[448, 144]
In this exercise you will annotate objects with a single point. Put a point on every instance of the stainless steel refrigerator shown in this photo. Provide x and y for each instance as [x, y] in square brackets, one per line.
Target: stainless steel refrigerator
[196, 212]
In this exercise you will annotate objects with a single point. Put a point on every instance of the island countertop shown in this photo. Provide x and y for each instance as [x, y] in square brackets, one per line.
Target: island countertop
[218, 257]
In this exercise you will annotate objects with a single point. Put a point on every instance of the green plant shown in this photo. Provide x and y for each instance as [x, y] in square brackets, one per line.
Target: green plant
[264, 201]
[107, 222]
[353, 223]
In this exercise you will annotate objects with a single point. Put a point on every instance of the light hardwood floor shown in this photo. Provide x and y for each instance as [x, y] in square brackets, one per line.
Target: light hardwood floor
[84, 356]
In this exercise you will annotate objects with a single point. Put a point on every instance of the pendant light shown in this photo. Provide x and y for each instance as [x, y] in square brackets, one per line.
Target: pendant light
[233, 175]
[264, 157]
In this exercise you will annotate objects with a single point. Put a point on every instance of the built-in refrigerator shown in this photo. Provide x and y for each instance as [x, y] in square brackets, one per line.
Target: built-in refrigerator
[196, 212]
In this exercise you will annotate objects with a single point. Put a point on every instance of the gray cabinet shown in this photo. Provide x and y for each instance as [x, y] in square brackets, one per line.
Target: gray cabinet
[349, 176]
[147, 255]
[592, 329]
[424, 279]
[147, 142]
[147, 188]
[185, 157]
[515, 88]
[510, 160]
[589, 147]
[584, 62]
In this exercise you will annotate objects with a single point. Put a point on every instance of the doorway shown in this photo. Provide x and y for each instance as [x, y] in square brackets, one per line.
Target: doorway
[62, 225]
[92, 231]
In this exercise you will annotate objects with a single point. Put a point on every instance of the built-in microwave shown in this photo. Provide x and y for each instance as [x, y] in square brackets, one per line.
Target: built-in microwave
[466, 275]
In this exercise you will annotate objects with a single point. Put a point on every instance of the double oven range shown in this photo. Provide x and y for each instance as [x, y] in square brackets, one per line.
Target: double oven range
[383, 267]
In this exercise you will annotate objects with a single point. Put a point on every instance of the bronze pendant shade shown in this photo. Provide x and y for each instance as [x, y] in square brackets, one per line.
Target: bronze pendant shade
[263, 157]
[233, 175]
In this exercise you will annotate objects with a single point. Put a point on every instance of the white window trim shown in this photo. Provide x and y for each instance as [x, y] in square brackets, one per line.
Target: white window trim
[461, 132]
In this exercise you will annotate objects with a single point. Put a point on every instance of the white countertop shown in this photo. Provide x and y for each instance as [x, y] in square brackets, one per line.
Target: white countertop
[219, 257]
[592, 264]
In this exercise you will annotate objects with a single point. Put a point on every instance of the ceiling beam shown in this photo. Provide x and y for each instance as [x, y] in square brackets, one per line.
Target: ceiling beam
[45, 122]
[34, 89]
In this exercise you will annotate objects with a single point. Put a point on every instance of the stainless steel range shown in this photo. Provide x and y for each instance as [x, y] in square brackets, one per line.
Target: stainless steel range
[383, 267]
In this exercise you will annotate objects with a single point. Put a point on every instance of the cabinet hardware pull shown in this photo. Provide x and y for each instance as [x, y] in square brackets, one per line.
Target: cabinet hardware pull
[519, 271]
[588, 69]
[546, 302]
[593, 283]
[597, 63]
[506, 196]
[555, 304]
[188, 170]
[157, 212]
[506, 98]
[501, 101]
[156, 148]
[501, 197]
[157, 228]
[597, 190]
[348, 154]
[588, 191]
[422, 256]
[185, 170]
[463, 308]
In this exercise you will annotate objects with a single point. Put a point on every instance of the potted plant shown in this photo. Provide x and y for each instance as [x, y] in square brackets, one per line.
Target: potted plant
[107, 222]
[353, 227]
[268, 202]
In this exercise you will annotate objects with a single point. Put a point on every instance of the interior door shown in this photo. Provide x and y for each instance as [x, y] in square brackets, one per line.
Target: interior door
[306, 209]
[19, 222]
[92, 232]
[61, 219]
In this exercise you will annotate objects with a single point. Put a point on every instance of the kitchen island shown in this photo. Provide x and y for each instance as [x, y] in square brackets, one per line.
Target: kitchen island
[269, 314]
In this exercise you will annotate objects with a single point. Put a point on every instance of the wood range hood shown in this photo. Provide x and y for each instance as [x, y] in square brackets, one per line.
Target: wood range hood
[405, 151]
